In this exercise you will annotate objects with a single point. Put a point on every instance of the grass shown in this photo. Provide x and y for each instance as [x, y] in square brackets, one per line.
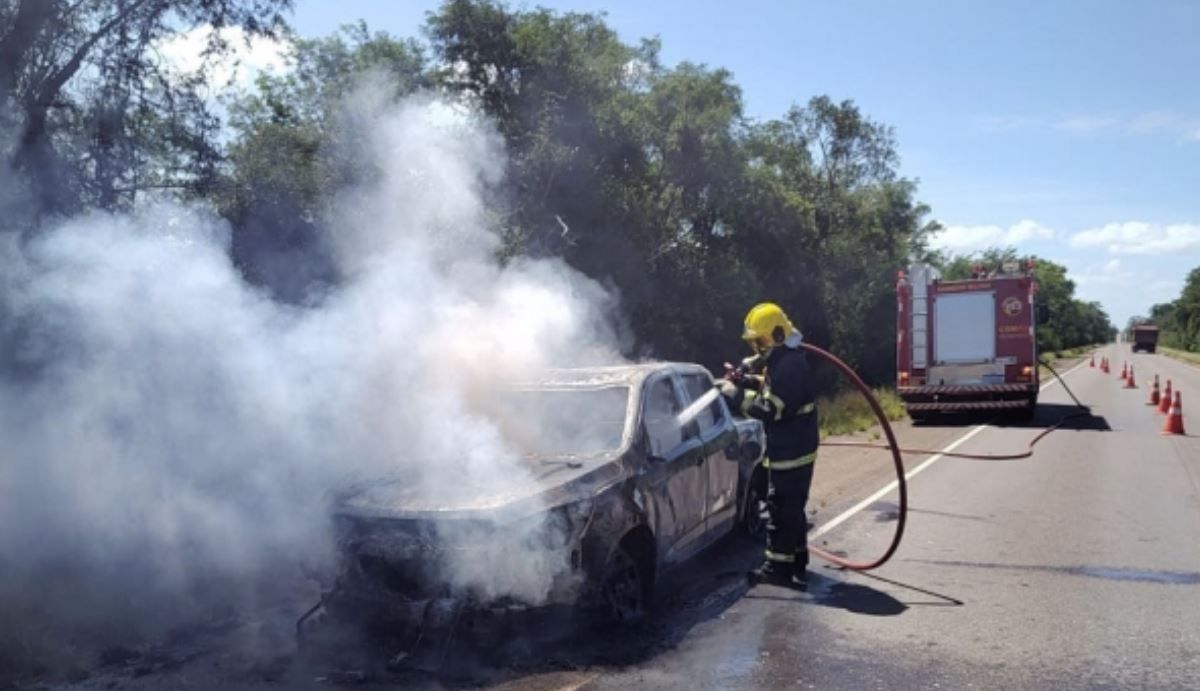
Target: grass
[1059, 355]
[1073, 352]
[848, 412]
[1183, 355]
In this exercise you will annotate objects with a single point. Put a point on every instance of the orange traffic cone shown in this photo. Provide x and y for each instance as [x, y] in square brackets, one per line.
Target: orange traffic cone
[1164, 405]
[1104, 365]
[1129, 381]
[1124, 370]
[1093, 362]
[1175, 419]
[1154, 397]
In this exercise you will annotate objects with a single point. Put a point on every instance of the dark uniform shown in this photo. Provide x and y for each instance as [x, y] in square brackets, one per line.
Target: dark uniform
[787, 408]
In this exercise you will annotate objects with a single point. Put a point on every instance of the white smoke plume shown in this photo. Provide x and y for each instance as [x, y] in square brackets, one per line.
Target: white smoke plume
[168, 428]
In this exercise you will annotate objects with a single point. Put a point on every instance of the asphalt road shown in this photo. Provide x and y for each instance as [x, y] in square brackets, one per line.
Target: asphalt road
[1076, 568]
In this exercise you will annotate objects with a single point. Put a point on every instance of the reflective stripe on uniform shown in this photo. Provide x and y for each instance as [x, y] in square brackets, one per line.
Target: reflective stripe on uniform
[790, 465]
[778, 403]
[748, 398]
[782, 558]
[763, 400]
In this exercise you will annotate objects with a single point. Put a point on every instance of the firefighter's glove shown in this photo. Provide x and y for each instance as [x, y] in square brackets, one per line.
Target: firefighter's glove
[753, 382]
[728, 389]
[753, 364]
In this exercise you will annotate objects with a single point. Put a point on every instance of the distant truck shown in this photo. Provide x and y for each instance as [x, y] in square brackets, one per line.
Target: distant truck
[967, 345]
[1145, 337]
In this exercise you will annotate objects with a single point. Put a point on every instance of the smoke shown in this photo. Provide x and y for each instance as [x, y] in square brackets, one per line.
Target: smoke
[171, 432]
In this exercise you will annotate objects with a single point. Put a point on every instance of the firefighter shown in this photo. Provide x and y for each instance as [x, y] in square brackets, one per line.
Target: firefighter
[779, 393]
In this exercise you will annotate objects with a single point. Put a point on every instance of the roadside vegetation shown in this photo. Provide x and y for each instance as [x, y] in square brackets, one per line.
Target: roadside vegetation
[1183, 355]
[848, 412]
[1063, 357]
[646, 176]
[1178, 321]
[1071, 353]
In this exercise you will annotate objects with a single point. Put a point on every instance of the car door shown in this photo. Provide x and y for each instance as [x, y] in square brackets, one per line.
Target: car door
[676, 467]
[717, 433]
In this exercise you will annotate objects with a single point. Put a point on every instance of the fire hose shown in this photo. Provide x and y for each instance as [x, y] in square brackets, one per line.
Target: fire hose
[898, 461]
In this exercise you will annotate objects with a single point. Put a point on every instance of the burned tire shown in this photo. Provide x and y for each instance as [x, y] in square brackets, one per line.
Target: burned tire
[754, 513]
[627, 585]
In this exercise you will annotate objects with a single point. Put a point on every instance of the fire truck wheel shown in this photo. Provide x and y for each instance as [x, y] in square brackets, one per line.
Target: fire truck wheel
[1029, 410]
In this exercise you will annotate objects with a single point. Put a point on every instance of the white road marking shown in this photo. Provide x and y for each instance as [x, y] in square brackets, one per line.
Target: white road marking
[891, 486]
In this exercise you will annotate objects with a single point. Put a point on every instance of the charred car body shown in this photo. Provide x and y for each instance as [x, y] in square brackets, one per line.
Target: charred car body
[628, 489]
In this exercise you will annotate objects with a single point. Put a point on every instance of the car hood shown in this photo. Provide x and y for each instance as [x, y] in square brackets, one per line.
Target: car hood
[548, 482]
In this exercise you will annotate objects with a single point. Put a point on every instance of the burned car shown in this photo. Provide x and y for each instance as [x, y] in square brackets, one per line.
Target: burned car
[647, 467]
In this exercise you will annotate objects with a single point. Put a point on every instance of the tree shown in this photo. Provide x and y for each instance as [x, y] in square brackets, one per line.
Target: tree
[1068, 323]
[645, 177]
[830, 223]
[1179, 320]
[97, 114]
[283, 164]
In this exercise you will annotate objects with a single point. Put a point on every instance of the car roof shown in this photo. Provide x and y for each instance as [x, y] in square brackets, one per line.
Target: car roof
[603, 377]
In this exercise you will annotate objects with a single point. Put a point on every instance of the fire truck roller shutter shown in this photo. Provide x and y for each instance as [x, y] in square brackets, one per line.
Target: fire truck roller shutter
[964, 327]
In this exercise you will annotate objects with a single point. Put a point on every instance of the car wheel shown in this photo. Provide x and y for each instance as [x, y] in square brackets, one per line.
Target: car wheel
[754, 519]
[625, 587]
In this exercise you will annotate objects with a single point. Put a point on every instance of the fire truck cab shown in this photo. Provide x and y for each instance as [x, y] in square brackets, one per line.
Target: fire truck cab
[967, 344]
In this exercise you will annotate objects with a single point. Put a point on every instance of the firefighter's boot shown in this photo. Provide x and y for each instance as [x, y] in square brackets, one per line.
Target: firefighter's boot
[772, 573]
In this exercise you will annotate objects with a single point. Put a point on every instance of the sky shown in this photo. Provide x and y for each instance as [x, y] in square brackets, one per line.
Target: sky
[1070, 130]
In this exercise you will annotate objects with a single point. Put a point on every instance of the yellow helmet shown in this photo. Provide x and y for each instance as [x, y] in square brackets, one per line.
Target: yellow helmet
[766, 326]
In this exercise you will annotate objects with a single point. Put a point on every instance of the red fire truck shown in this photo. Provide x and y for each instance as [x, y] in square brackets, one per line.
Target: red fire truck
[967, 344]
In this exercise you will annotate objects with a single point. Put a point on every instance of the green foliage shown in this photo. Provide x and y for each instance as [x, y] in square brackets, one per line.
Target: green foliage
[669, 194]
[1179, 321]
[848, 412]
[91, 112]
[1068, 322]
[646, 177]
[284, 162]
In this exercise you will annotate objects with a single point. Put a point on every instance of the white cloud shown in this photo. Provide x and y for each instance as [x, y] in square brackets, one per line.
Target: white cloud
[246, 58]
[1154, 121]
[1127, 267]
[1004, 123]
[1136, 237]
[1102, 275]
[1168, 123]
[971, 238]
[1027, 230]
[1086, 124]
[1159, 123]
